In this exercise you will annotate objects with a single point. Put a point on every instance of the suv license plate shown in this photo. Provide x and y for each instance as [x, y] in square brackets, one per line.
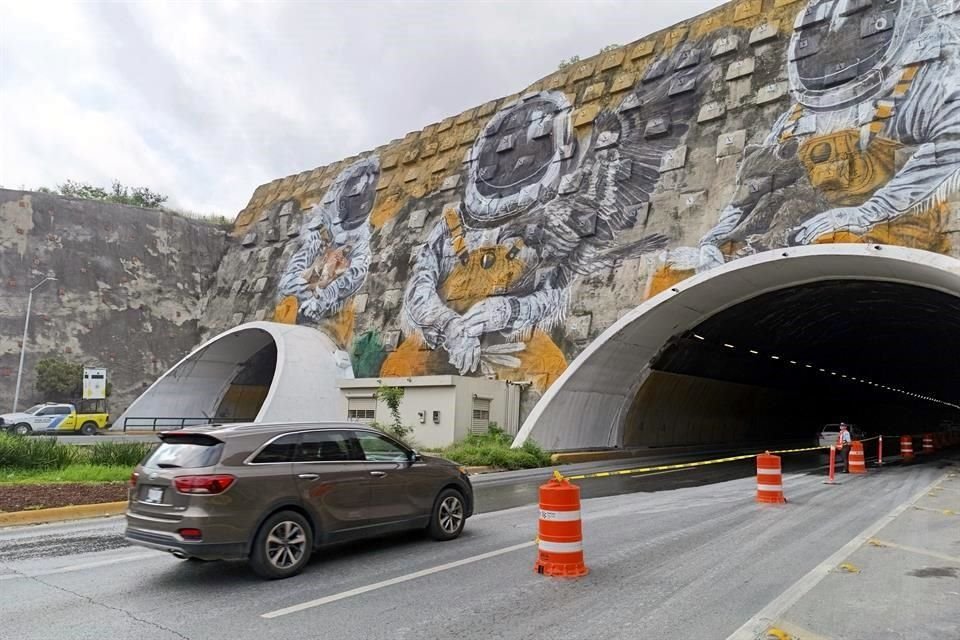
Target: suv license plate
[154, 494]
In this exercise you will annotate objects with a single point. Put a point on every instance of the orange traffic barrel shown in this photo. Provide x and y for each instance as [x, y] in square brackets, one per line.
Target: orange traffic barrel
[856, 462]
[560, 534]
[769, 479]
[906, 448]
[928, 443]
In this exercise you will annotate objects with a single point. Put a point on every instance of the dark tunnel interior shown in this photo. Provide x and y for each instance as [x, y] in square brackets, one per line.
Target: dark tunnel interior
[783, 364]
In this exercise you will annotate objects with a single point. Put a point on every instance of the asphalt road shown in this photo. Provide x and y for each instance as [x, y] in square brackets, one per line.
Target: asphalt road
[685, 554]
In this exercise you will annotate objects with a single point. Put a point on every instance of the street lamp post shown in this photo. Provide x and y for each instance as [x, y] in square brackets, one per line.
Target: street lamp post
[23, 344]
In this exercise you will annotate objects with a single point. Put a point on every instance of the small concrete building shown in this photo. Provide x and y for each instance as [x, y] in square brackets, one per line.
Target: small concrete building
[441, 409]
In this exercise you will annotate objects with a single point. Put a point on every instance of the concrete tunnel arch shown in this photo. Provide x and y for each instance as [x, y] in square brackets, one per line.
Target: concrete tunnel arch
[294, 370]
[598, 399]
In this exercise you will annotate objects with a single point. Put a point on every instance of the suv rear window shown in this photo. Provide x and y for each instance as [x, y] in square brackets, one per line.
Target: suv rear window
[185, 454]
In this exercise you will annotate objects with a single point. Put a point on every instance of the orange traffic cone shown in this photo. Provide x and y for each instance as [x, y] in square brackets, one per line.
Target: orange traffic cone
[906, 448]
[560, 537]
[769, 479]
[856, 461]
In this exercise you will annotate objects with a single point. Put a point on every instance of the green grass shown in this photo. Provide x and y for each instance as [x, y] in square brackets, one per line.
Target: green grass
[93, 473]
[493, 450]
[40, 453]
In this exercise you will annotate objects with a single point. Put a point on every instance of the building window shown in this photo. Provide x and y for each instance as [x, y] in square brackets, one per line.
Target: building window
[362, 409]
[481, 416]
[361, 415]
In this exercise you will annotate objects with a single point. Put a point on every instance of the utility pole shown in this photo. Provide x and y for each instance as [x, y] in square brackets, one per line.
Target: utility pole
[23, 344]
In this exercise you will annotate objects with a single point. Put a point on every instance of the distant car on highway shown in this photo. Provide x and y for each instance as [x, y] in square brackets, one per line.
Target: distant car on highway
[52, 417]
[272, 493]
[831, 432]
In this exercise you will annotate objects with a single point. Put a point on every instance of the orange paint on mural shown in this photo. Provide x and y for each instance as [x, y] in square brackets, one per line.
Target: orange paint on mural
[664, 278]
[411, 359]
[844, 173]
[487, 272]
[385, 209]
[922, 231]
[286, 311]
[340, 326]
[541, 362]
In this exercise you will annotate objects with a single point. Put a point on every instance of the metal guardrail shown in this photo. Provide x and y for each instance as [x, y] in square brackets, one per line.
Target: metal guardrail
[161, 423]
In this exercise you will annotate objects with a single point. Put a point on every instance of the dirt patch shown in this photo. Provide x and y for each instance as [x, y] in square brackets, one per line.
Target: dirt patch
[20, 497]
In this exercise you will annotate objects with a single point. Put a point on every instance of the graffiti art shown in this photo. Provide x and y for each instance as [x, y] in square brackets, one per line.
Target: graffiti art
[334, 256]
[869, 151]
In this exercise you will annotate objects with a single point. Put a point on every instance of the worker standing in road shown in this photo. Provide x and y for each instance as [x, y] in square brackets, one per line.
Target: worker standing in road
[843, 446]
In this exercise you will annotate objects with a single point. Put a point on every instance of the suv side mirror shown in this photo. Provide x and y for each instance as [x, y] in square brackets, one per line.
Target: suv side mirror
[414, 456]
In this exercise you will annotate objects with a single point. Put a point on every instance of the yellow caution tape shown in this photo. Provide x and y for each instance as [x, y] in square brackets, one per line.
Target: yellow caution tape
[682, 465]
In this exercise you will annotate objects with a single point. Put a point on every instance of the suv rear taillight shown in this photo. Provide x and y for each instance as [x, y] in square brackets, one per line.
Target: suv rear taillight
[133, 478]
[207, 485]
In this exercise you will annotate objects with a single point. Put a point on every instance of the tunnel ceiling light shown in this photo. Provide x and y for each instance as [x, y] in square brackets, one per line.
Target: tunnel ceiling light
[698, 337]
[793, 362]
[823, 370]
[728, 345]
[809, 366]
[754, 352]
[774, 357]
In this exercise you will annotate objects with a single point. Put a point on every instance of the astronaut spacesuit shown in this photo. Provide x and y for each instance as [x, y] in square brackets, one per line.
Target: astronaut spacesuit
[334, 257]
[867, 78]
[496, 267]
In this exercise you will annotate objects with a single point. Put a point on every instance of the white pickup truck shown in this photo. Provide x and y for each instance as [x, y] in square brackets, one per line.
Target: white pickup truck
[53, 418]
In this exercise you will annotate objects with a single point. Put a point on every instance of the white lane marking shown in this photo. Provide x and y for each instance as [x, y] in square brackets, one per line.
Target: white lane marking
[922, 552]
[755, 626]
[82, 566]
[392, 581]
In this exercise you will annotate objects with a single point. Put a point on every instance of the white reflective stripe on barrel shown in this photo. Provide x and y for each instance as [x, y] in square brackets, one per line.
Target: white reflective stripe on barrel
[560, 516]
[768, 472]
[560, 547]
[770, 487]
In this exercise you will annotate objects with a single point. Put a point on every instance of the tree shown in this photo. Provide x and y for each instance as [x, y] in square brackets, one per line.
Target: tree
[118, 193]
[59, 380]
[569, 61]
[392, 396]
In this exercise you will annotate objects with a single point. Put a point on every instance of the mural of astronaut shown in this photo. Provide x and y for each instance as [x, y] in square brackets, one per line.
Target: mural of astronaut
[334, 255]
[539, 209]
[867, 78]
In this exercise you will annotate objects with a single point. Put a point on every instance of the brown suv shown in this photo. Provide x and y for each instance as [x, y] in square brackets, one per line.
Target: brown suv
[272, 493]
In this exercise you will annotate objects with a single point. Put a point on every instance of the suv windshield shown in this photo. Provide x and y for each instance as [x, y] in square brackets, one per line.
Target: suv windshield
[184, 455]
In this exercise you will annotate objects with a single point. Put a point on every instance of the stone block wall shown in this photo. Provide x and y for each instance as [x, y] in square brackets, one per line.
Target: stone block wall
[501, 240]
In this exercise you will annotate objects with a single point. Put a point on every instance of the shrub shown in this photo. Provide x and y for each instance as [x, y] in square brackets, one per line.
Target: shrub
[17, 452]
[492, 449]
[119, 454]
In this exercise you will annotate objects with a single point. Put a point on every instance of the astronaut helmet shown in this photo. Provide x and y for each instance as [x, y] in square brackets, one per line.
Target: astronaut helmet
[843, 52]
[519, 157]
[353, 192]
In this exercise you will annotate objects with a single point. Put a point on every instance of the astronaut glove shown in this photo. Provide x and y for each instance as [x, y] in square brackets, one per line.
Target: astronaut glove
[852, 219]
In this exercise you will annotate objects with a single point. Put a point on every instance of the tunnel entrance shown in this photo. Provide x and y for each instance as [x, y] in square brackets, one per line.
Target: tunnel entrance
[766, 348]
[882, 355]
[242, 400]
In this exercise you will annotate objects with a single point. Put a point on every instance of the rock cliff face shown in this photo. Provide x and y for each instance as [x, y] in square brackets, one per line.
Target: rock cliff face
[128, 293]
[501, 240]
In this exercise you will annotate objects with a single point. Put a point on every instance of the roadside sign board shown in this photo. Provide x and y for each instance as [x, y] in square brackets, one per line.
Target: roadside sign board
[94, 383]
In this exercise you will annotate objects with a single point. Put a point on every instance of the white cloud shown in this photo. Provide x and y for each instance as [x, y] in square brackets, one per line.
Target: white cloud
[205, 101]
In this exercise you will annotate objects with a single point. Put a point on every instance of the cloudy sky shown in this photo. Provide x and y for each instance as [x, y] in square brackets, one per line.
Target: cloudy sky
[204, 101]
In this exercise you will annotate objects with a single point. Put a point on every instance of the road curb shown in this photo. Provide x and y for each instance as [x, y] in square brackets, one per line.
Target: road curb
[57, 514]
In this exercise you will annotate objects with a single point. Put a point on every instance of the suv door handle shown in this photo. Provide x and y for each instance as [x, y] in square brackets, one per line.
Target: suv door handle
[308, 476]
[378, 474]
